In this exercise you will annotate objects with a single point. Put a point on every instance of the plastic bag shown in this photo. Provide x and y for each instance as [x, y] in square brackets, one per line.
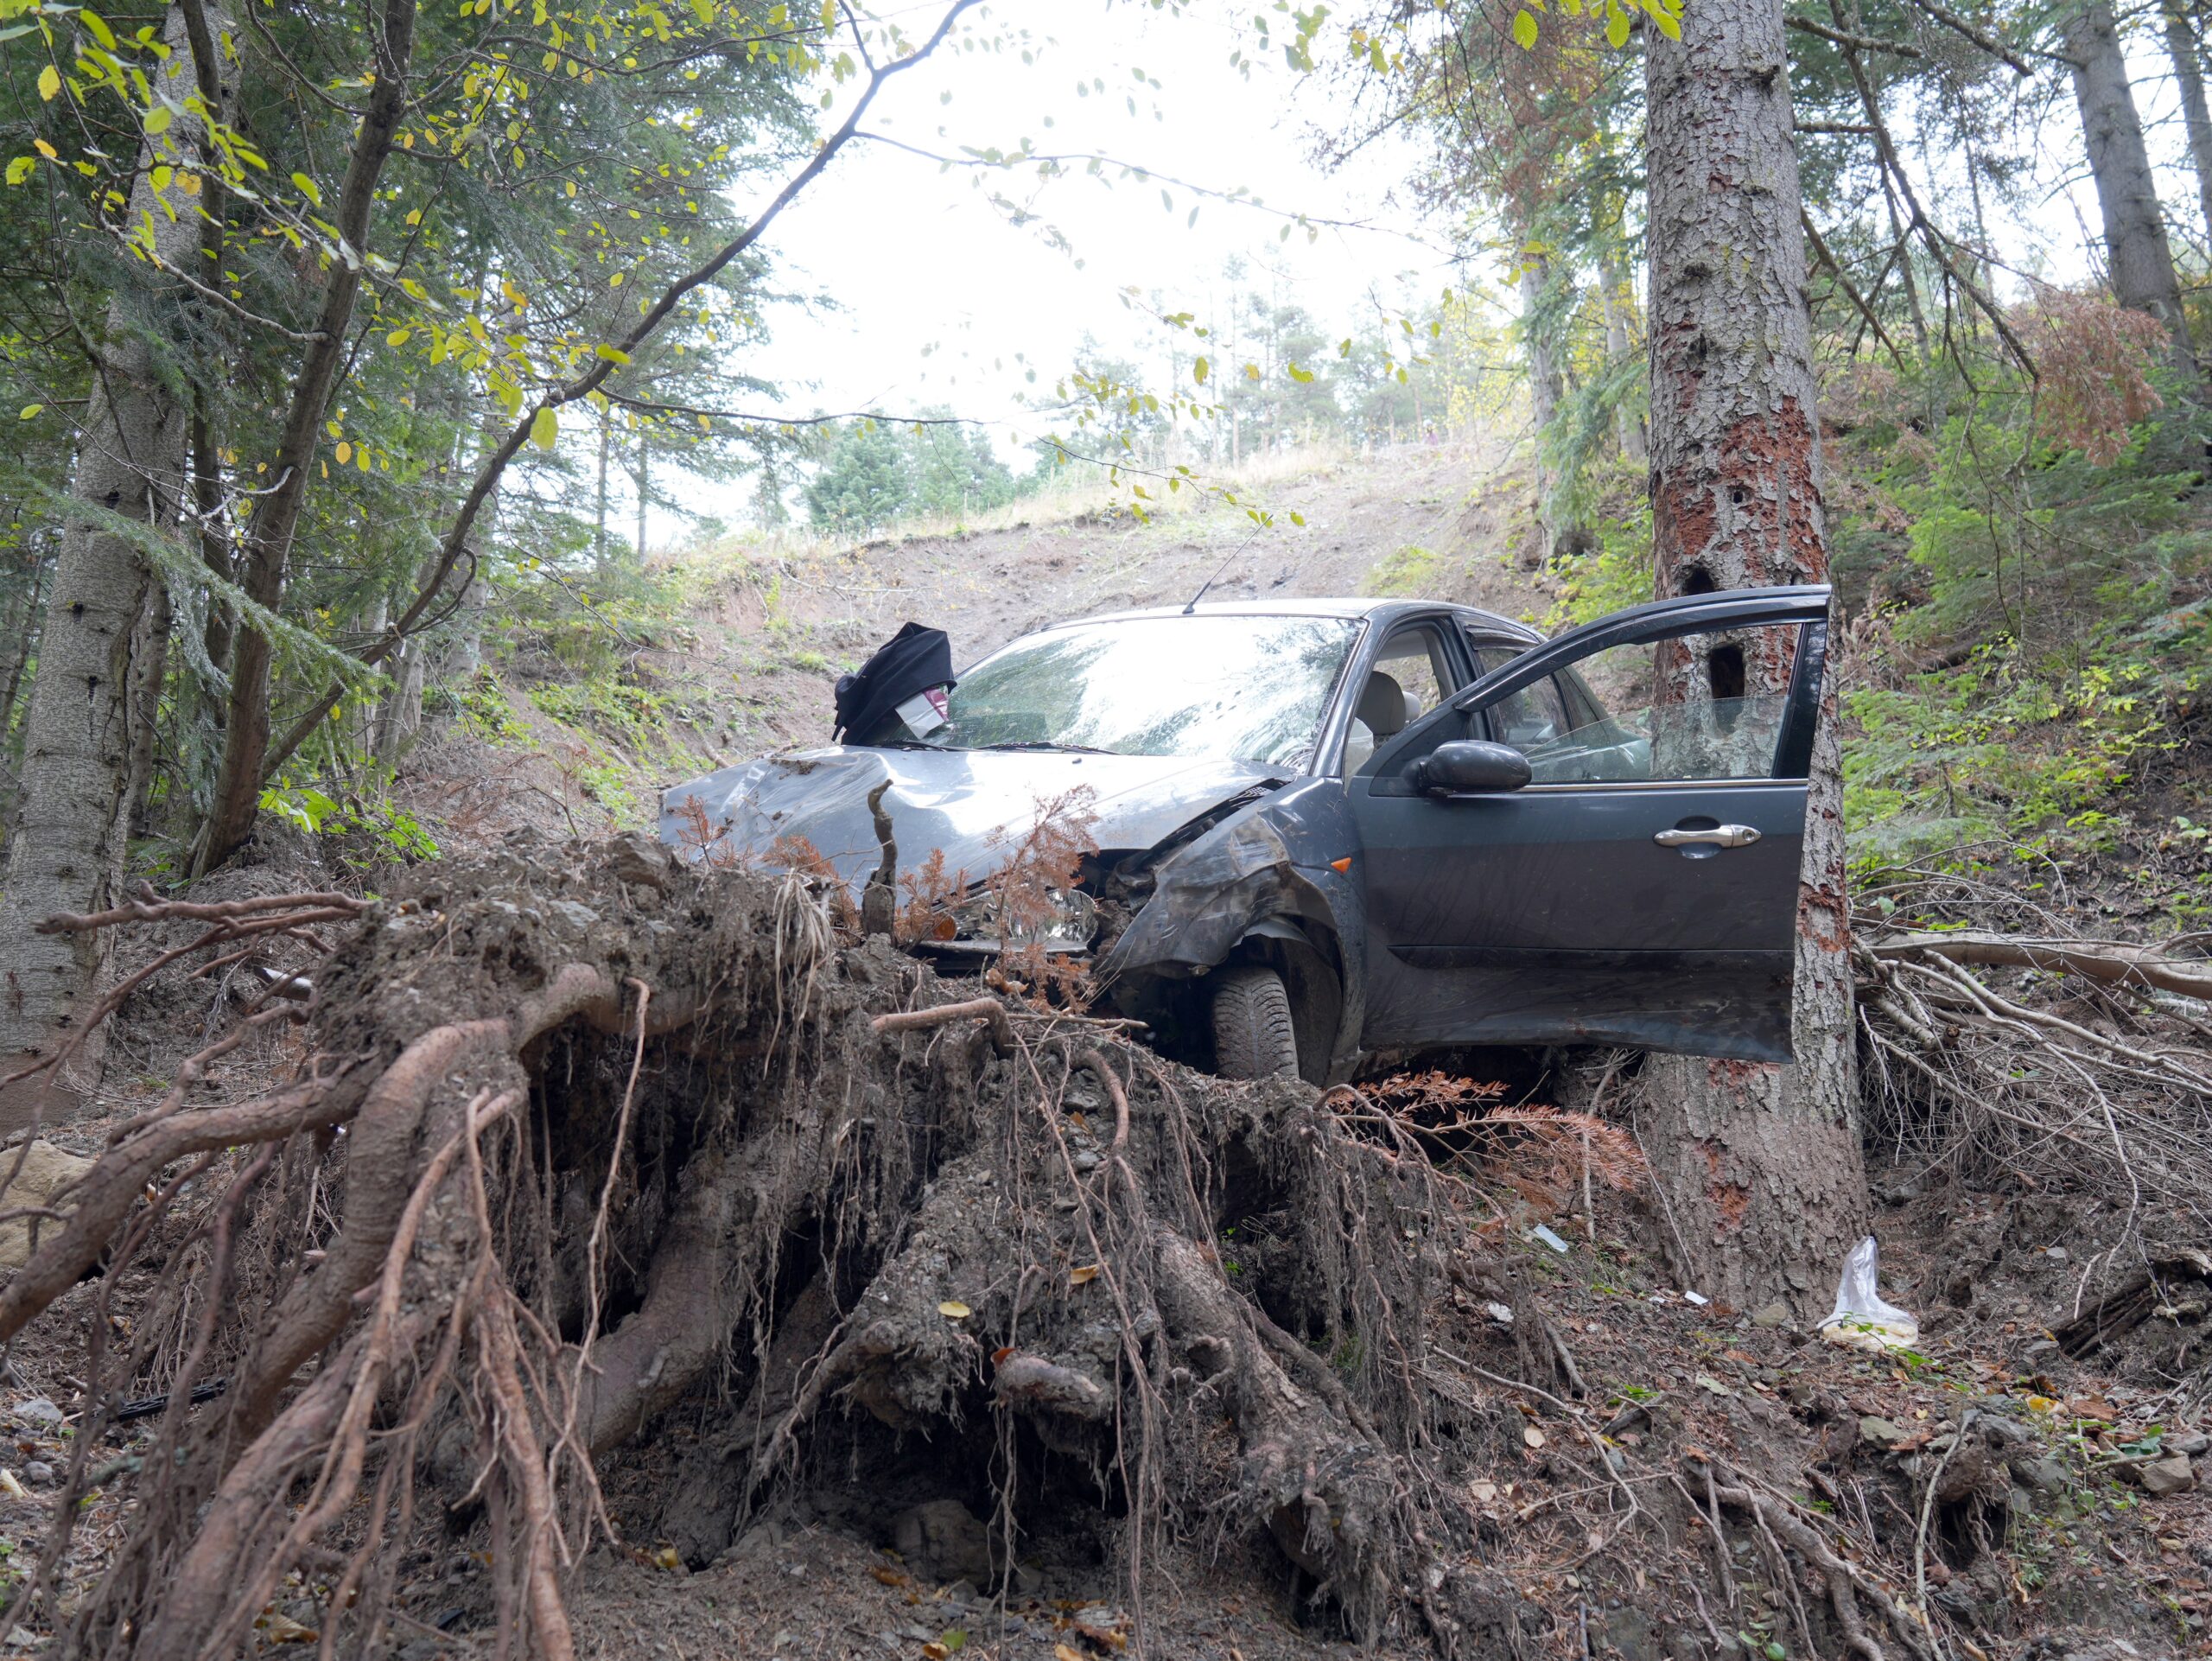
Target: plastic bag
[1862, 1319]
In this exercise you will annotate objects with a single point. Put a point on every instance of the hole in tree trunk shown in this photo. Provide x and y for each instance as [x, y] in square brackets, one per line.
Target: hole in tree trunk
[1697, 580]
[1724, 672]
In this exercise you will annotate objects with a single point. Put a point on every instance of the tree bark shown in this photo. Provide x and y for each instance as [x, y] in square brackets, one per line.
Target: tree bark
[77, 734]
[2189, 76]
[2127, 195]
[1760, 1164]
[276, 517]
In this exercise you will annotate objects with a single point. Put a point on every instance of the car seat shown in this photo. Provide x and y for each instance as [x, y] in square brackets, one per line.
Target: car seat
[1383, 712]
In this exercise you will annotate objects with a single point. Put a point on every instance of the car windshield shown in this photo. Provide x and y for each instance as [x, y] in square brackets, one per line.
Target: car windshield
[1246, 689]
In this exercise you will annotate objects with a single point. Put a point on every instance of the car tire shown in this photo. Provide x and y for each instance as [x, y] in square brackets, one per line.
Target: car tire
[1254, 1036]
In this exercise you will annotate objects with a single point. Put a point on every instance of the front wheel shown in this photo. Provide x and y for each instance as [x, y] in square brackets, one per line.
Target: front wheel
[1254, 1036]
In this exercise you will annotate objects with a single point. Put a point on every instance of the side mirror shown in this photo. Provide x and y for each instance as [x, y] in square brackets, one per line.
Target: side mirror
[1470, 764]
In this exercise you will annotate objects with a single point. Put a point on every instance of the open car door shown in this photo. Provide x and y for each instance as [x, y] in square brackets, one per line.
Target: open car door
[1624, 870]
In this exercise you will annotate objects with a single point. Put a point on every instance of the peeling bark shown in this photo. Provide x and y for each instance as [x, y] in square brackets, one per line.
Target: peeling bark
[1760, 1163]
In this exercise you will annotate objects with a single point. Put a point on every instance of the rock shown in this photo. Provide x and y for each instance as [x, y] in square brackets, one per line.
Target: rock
[961, 1592]
[1882, 1433]
[1771, 1315]
[2170, 1475]
[2044, 1475]
[942, 1541]
[39, 1410]
[2193, 1443]
[46, 1170]
[38, 1470]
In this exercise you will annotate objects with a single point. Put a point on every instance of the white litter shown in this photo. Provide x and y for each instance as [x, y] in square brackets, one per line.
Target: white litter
[1540, 1232]
[1861, 1318]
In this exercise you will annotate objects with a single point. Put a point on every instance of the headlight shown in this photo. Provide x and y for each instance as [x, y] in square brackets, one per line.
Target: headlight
[1059, 920]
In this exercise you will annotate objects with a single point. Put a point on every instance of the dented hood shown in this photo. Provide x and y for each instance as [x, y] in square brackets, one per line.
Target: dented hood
[976, 805]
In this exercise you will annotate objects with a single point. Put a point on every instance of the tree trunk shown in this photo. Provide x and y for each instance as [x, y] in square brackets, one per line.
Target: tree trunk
[21, 646]
[2127, 196]
[1759, 1163]
[1619, 301]
[599, 557]
[276, 517]
[2189, 76]
[77, 735]
[1546, 388]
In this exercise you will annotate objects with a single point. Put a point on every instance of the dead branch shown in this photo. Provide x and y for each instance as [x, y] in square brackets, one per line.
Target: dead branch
[2115, 964]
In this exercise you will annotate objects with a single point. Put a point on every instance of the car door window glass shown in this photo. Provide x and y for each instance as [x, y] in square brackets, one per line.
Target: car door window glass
[1531, 718]
[1410, 678]
[1704, 706]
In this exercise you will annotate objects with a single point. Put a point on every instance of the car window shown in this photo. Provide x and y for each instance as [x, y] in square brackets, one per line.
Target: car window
[1534, 716]
[1220, 686]
[1702, 706]
[1411, 676]
[1414, 658]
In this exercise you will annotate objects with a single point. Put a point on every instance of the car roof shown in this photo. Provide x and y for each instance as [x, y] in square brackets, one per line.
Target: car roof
[1381, 612]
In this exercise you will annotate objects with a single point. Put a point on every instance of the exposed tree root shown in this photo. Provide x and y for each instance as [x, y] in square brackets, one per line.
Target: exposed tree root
[580, 1141]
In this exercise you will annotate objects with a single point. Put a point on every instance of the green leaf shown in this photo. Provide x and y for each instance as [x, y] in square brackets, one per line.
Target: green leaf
[613, 353]
[49, 83]
[30, 410]
[1617, 27]
[544, 428]
[1669, 20]
[1199, 370]
[309, 189]
[1301, 376]
[19, 169]
[158, 119]
[1524, 31]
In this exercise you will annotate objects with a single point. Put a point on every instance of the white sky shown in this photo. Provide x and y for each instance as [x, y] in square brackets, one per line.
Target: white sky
[941, 301]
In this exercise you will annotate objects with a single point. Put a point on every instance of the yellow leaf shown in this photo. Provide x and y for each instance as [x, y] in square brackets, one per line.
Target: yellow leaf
[953, 1310]
[668, 1557]
[2042, 1403]
[1524, 31]
[345, 454]
[544, 428]
[1083, 1276]
[49, 83]
[30, 410]
[46, 150]
[1062, 1652]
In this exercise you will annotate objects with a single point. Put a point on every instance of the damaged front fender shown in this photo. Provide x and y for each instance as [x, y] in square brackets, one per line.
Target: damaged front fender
[1268, 871]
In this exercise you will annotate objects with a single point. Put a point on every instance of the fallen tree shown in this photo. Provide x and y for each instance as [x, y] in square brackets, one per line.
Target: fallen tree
[576, 1138]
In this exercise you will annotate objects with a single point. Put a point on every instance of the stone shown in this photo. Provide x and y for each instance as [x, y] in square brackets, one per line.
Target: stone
[942, 1540]
[1771, 1315]
[2044, 1475]
[2193, 1443]
[39, 1410]
[38, 1470]
[46, 1170]
[1882, 1433]
[2170, 1475]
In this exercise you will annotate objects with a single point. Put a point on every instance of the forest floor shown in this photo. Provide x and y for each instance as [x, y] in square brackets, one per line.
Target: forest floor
[2018, 1484]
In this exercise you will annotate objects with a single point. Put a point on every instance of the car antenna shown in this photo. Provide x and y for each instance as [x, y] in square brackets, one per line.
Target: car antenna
[1217, 570]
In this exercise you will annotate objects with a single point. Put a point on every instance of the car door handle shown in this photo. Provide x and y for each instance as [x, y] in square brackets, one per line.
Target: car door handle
[1726, 835]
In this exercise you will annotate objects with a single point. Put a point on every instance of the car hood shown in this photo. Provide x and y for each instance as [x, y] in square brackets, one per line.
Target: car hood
[976, 805]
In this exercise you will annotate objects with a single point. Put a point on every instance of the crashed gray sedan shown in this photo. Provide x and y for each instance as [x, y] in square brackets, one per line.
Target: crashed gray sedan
[1331, 831]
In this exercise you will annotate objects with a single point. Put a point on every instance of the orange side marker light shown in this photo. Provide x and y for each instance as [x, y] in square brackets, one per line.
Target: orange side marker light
[1344, 864]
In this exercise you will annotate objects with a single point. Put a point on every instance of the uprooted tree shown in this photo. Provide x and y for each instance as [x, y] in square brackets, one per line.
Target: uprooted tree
[576, 1139]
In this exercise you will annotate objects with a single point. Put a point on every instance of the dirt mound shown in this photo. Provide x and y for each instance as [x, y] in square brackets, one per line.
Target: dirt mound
[626, 1253]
